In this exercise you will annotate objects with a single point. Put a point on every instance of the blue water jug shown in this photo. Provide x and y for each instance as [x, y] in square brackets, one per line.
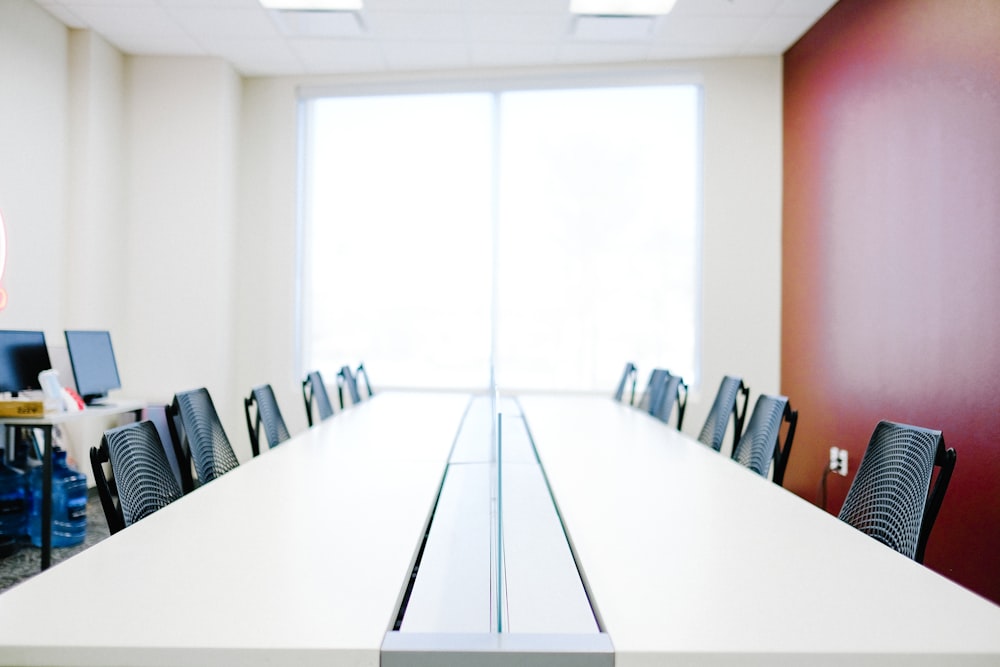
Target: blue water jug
[13, 501]
[69, 503]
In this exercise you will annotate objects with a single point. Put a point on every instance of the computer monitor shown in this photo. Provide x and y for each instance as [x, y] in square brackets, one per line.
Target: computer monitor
[93, 361]
[23, 355]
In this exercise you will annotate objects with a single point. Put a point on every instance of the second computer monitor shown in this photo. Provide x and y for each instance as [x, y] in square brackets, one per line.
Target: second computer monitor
[93, 361]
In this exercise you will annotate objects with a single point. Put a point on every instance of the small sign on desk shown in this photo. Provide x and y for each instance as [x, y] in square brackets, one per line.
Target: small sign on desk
[16, 407]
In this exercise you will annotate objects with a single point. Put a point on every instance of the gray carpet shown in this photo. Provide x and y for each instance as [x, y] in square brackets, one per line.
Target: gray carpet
[26, 562]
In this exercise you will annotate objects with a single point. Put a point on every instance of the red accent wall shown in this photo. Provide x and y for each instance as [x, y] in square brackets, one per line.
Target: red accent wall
[891, 252]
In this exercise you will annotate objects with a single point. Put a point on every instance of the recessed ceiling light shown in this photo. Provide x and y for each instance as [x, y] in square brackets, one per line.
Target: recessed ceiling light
[621, 7]
[313, 5]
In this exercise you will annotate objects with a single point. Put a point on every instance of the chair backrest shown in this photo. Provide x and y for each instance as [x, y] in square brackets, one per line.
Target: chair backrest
[726, 404]
[266, 415]
[203, 438]
[654, 390]
[673, 390]
[346, 380]
[159, 414]
[106, 489]
[760, 443]
[142, 473]
[360, 374]
[888, 498]
[314, 391]
[630, 372]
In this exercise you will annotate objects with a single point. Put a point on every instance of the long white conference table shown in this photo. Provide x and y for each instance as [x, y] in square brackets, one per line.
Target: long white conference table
[304, 556]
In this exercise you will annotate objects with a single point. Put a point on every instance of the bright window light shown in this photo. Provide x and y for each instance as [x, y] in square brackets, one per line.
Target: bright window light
[622, 7]
[313, 5]
[539, 237]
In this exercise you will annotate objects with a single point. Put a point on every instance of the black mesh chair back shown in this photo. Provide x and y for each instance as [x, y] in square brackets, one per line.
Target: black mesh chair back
[346, 380]
[888, 498]
[267, 416]
[107, 491]
[203, 438]
[144, 480]
[760, 444]
[314, 391]
[630, 373]
[654, 390]
[726, 404]
[159, 414]
[673, 390]
[362, 374]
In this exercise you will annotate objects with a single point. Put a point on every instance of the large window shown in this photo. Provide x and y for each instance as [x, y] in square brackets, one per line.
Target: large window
[552, 234]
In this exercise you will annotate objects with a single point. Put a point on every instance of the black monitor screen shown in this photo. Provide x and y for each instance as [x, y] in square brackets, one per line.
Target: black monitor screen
[93, 362]
[23, 356]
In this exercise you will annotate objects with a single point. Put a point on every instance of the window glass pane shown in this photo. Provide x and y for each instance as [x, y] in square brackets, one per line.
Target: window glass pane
[397, 243]
[598, 235]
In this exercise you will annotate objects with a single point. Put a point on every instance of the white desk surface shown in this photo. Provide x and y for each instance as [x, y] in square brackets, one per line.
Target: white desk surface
[691, 559]
[299, 556]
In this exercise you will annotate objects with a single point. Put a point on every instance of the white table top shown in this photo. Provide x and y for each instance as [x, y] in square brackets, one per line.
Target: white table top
[299, 556]
[691, 557]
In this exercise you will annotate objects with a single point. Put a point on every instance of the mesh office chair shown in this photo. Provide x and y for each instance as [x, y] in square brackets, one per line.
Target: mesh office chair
[361, 373]
[654, 390]
[346, 380]
[888, 498]
[267, 416]
[760, 444]
[203, 440]
[631, 372]
[314, 391]
[674, 390]
[142, 476]
[725, 404]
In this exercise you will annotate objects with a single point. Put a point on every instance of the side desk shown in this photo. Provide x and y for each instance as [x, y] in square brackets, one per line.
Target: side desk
[46, 424]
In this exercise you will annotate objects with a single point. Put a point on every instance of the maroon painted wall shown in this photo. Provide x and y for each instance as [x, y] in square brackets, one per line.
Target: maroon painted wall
[891, 252]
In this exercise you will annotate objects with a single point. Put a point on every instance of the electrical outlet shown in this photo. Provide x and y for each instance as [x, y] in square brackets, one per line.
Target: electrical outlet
[842, 463]
[838, 461]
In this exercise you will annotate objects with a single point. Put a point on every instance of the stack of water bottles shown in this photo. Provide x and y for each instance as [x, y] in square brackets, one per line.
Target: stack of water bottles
[21, 502]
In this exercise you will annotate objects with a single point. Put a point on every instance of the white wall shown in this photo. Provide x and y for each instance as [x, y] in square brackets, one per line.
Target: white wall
[33, 165]
[182, 126]
[181, 180]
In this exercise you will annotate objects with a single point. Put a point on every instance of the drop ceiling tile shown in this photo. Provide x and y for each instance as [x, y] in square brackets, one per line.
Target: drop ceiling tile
[517, 27]
[409, 26]
[65, 15]
[325, 56]
[726, 7]
[613, 28]
[500, 54]
[408, 56]
[257, 57]
[814, 8]
[223, 23]
[779, 32]
[733, 32]
[595, 52]
[553, 7]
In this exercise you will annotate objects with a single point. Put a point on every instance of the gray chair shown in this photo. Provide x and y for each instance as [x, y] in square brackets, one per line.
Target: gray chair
[630, 373]
[673, 390]
[262, 413]
[346, 380]
[201, 438]
[362, 373]
[143, 480]
[654, 390]
[889, 498]
[314, 392]
[725, 405]
[761, 444]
